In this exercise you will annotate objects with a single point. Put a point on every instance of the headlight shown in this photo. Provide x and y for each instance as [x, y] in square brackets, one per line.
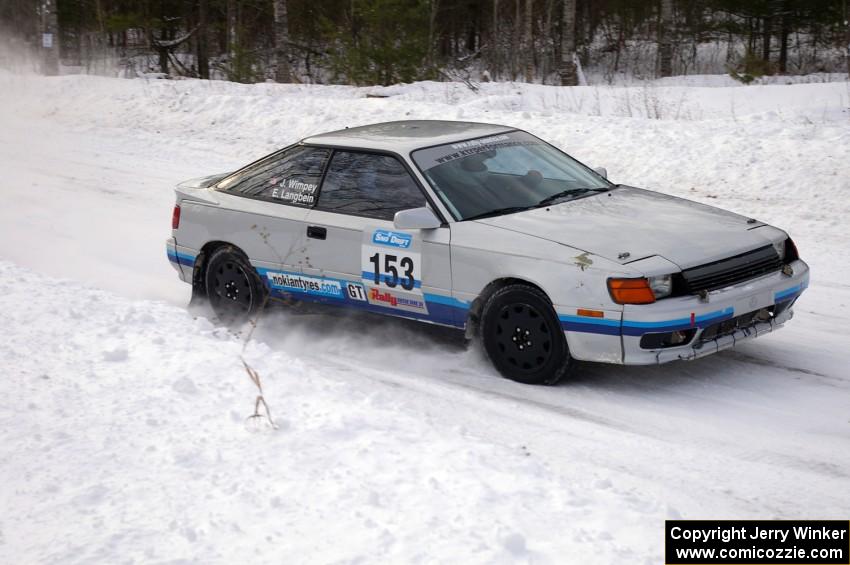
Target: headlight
[661, 285]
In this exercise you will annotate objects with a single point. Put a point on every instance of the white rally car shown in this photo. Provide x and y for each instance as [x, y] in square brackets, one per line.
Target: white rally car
[490, 229]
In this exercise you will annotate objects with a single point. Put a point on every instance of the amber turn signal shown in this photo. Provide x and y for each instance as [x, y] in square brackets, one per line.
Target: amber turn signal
[631, 291]
[590, 313]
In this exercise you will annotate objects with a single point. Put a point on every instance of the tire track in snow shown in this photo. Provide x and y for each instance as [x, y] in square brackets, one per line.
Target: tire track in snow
[503, 411]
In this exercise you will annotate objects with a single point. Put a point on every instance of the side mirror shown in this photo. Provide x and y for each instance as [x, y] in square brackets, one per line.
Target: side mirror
[416, 219]
[601, 171]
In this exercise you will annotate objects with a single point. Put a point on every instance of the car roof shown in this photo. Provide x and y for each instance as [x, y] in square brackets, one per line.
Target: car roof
[405, 136]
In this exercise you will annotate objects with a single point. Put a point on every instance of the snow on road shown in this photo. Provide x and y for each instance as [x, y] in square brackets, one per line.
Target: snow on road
[128, 440]
[122, 415]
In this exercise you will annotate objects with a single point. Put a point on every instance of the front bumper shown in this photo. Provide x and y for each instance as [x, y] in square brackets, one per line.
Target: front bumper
[775, 292]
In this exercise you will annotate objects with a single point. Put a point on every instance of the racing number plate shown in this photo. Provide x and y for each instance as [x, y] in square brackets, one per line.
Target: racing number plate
[391, 265]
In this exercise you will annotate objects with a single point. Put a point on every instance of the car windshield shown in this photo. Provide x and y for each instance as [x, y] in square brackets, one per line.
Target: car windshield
[504, 173]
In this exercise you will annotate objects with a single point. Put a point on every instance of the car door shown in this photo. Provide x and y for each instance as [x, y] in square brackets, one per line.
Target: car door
[263, 208]
[351, 239]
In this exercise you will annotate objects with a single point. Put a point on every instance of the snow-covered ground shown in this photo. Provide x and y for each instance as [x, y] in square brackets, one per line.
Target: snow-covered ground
[122, 415]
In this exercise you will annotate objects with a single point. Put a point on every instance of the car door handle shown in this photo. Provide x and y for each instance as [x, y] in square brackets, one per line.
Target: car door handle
[317, 232]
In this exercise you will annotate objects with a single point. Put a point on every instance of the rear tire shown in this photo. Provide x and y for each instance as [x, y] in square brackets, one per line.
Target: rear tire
[522, 336]
[234, 289]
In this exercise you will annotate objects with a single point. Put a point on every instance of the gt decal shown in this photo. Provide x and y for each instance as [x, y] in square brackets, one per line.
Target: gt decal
[355, 291]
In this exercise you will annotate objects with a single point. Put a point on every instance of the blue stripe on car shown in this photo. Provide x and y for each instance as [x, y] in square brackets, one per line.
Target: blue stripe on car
[793, 292]
[701, 321]
[437, 313]
[385, 277]
[589, 325]
[450, 311]
[446, 301]
[181, 258]
[637, 328]
[789, 293]
[444, 310]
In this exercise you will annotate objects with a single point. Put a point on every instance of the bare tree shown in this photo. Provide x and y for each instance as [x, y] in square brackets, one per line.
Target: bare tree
[202, 51]
[281, 42]
[846, 18]
[516, 40]
[165, 49]
[494, 41]
[232, 25]
[547, 53]
[784, 32]
[665, 39]
[384, 40]
[528, 42]
[567, 69]
[434, 6]
[767, 32]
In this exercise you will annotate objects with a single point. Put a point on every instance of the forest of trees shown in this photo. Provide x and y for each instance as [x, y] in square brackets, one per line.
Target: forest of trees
[391, 41]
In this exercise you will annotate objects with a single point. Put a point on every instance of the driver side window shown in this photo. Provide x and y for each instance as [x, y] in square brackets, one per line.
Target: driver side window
[368, 184]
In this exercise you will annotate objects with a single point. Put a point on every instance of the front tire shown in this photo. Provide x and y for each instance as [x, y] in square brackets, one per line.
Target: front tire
[522, 336]
[234, 289]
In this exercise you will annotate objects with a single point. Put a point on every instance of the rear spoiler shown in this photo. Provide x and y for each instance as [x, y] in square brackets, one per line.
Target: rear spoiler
[198, 189]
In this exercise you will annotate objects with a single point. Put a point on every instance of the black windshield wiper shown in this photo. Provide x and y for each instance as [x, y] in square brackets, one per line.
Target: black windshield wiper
[498, 212]
[565, 193]
[544, 202]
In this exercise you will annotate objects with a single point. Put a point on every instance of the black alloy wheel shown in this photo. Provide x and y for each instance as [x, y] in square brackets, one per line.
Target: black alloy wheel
[523, 337]
[234, 288]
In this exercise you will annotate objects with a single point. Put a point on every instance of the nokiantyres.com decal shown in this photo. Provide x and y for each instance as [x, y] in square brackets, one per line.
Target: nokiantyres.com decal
[289, 282]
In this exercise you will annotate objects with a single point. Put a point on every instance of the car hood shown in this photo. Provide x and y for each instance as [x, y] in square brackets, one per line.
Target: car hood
[642, 224]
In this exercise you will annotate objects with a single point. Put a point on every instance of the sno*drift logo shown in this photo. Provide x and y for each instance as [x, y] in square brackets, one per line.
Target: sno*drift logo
[392, 238]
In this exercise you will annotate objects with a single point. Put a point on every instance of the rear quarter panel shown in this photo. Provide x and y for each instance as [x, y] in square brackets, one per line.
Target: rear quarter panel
[269, 233]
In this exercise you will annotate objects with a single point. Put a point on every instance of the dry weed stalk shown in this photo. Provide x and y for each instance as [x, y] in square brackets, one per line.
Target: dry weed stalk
[254, 375]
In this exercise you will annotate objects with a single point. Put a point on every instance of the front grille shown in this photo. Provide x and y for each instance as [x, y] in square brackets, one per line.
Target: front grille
[731, 270]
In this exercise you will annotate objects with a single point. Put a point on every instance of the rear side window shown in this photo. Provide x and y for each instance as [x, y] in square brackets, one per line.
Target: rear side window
[291, 176]
[366, 184]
